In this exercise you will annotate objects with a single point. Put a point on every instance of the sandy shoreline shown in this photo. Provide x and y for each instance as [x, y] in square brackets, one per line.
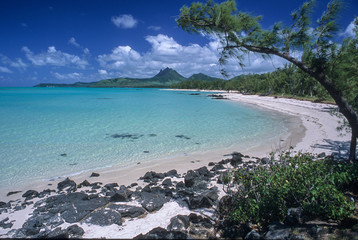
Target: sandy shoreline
[312, 129]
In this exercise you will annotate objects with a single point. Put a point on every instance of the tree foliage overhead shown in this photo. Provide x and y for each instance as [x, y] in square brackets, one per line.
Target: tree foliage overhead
[241, 33]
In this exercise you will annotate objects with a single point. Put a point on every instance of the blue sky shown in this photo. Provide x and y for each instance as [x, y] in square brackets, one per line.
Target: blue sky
[83, 40]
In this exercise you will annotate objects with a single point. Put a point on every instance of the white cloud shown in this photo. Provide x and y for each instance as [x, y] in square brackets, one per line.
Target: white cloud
[102, 72]
[124, 21]
[155, 28]
[55, 58]
[73, 42]
[186, 59]
[5, 70]
[18, 63]
[349, 30]
[67, 76]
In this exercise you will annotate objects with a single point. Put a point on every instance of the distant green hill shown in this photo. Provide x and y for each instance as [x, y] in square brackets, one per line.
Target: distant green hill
[165, 78]
[203, 77]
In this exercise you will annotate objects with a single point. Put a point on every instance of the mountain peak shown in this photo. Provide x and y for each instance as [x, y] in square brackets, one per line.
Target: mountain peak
[168, 74]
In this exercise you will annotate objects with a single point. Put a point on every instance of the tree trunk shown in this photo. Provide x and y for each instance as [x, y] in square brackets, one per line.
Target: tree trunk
[353, 147]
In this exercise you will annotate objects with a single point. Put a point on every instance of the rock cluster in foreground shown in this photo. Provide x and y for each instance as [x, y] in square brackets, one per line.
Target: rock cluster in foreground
[62, 213]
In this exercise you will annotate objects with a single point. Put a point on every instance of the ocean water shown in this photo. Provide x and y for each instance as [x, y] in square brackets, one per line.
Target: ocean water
[50, 132]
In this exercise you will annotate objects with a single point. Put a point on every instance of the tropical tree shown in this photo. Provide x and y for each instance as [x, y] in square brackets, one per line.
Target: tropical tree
[241, 33]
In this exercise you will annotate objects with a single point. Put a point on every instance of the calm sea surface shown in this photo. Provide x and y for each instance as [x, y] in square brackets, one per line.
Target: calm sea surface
[51, 132]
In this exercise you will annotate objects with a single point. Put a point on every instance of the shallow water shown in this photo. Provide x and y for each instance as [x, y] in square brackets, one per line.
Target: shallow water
[51, 132]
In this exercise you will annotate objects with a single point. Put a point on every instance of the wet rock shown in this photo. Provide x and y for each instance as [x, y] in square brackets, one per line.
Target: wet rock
[67, 183]
[94, 174]
[30, 194]
[127, 210]
[12, 193]
[104, 217]
[161, 233]
[178, 223]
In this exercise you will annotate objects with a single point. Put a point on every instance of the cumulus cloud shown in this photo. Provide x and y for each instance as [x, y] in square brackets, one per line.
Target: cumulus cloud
[124, 21]
[186, 59]
[102, 72]
[5, 70]
[349, 30]
[67, 76]
[18, 63]
[53, 57]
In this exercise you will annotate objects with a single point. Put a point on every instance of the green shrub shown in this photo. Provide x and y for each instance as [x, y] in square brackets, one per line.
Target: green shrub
[317, 186]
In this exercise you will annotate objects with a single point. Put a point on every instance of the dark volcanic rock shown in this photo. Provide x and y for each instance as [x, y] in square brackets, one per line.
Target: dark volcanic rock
[85, 183]
[30, 194]
[94, 174]
[152, 176]
[3, 223]
[167, 182]
[205, 200]
[75, 231]
[293, 216]
[67, 183]
[72, 207]
[217, 167]
[161, 233]
[152, 201]
[12, 193]
[104, 217]
[128, 211]
[178, 223]
[190, 178]
[253, 235]
[171, 173]
[278, 231]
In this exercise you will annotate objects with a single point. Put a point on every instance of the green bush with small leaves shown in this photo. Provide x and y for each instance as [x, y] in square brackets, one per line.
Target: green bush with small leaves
[265, 193]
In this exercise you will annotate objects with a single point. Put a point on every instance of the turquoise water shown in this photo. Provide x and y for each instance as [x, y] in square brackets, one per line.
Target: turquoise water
[51, 132]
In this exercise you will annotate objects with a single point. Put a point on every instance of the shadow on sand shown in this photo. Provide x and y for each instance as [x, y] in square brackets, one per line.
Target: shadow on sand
[338, 148]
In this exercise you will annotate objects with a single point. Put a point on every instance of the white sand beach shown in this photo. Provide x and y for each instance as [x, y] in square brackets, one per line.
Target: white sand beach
[313, 129]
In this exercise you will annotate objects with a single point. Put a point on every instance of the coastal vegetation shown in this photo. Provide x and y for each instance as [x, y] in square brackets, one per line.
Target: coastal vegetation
[316, 188]
[330, 63]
